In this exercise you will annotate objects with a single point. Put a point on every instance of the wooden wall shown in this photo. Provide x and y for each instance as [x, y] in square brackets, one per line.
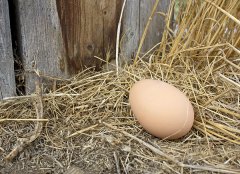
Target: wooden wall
[61, 37]
[40, 40]
[89, 29]
[7, 79]
[136, 15]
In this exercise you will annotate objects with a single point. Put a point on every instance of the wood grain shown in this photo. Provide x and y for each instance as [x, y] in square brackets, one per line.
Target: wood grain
[60, 38]
[136, 15]
[130, 29]
[89, 29]
[7, 77]
[41, 43]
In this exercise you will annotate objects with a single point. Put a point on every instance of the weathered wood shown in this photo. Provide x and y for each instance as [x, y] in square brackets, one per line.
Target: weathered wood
[136, 15]
[7, 78]
[41, 43]
[130, 28]
[89, 28]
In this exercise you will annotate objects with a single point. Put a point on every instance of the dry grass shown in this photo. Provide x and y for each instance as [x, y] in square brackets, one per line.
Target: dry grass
[88, 122]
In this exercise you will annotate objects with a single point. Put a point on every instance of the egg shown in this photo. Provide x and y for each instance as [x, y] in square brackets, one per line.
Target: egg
[161, 109]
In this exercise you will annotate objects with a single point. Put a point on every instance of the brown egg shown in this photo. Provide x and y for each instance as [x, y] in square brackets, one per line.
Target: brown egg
[162, 110]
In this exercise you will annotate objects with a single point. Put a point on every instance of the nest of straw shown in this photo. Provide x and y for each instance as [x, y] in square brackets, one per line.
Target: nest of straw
[87, 122]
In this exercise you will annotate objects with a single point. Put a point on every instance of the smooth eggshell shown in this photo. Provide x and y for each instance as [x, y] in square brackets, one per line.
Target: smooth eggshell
[162, 109]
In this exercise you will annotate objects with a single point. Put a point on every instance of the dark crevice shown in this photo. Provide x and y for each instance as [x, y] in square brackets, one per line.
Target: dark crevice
[1, 96]
[16, 34]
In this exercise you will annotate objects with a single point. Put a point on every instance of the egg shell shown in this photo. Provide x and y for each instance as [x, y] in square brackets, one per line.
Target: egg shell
[162, 109]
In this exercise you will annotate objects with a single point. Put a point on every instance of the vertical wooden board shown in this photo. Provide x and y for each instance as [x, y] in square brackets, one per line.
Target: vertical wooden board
[41, 43]
[89, 29]
[136, 16]
[7, 77]
[157, 25]
[130, 29]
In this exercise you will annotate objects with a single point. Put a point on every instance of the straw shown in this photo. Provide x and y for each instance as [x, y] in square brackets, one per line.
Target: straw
[87, 120]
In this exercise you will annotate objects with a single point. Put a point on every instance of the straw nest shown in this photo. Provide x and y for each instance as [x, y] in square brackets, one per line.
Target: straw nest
[86, 121]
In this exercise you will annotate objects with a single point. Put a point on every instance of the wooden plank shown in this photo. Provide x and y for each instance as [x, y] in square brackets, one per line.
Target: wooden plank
[89, 29]
[136, 15]
[7, 77]
[41, 43]
[130, 29]
[157, 25]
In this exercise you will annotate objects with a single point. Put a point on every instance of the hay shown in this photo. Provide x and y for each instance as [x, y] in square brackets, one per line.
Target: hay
[87, 120]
